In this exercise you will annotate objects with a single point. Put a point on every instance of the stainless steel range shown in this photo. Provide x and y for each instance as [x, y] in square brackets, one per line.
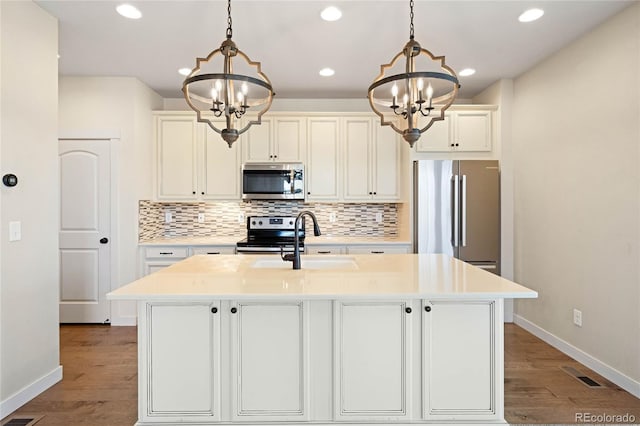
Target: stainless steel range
[270, 235]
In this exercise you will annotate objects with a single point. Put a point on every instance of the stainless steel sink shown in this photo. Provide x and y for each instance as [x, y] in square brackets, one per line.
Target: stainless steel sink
[308, 262]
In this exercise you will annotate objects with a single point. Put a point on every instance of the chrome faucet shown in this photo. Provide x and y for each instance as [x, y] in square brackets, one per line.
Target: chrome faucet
[295, 256]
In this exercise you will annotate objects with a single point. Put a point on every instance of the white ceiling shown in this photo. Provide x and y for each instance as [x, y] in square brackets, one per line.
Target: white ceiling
[293, 43]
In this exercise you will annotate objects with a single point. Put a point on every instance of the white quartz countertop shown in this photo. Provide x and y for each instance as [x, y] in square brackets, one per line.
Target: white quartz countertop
[384, 276]
[231, 240]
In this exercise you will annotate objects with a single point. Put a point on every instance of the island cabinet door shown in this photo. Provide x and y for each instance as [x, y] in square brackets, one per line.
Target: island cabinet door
[269, 369]
[462, 360]
[372, 345]
[179, 362]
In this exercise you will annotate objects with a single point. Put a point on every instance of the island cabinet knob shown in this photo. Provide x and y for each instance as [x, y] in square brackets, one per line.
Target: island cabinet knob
[407, 310]
[214, 310]
[427, 308]
[234, 310]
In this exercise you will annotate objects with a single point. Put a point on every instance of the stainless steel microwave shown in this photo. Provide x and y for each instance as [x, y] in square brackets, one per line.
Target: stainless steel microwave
[273, 181]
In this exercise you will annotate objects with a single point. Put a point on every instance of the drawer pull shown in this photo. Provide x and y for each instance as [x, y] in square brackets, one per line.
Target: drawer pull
[377, 252]
[324, 251]
[166, 252]
[213, 252]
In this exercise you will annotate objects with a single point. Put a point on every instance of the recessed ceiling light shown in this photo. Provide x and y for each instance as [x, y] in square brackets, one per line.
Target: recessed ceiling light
[531, 15]
[184, 71]
[327, 72]
[331, 13]
[467, 72]
[129, 11]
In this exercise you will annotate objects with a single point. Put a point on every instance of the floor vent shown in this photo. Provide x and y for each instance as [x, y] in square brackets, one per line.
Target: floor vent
[22, 420]
[585, 380]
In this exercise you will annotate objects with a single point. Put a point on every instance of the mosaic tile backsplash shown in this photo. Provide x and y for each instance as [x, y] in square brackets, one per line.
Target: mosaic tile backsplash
[222, 218]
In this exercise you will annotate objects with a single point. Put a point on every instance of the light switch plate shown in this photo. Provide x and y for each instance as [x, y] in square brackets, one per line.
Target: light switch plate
[200, 217]
[379, 217]
[15, 231]
[168, 217]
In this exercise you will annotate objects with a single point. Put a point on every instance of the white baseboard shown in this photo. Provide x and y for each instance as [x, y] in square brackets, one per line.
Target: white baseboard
[124, 321]
[625, 382]
[29, 392]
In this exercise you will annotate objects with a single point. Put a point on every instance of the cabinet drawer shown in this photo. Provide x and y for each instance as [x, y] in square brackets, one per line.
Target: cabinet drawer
[166, 252]
[213, 250]
[325, 249]
[378, 250]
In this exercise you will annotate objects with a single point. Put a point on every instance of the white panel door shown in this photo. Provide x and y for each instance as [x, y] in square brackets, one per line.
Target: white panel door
[84, 235]
[357, 162]
[372, 345]
[459, 358]
[323, 158]
[182, 364]
[269, 361]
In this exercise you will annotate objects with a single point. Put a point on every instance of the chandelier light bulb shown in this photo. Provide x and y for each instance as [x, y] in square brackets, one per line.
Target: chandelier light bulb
[218, 85]
[214, 94]
[405, 99]
[394, 90]
[244, 88]
[421, 84]
[429, 91]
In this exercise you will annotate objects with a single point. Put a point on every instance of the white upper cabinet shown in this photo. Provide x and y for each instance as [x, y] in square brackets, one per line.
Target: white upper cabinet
[280, 139]
[176, 147]
[462, 130]
[220, 168]
[323, 159]
[194, 162]
[371, 166]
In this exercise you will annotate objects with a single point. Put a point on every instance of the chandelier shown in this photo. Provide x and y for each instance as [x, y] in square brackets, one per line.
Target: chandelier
[411, 95]
[221, 99]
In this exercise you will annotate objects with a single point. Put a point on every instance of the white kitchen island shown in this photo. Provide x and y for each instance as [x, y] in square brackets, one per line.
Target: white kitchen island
[373, 339]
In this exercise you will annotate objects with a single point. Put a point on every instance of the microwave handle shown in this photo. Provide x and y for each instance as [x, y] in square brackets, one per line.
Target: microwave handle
[292, 181]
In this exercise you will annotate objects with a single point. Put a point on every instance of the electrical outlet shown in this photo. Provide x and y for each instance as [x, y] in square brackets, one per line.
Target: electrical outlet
[577, 317]
[379, 217]
[168, 217]
[200, 217]
[332, 217]
[240, 217]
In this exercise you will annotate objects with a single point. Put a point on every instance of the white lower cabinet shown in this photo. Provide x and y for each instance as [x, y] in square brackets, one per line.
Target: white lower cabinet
[323, 361]
[157, 258]
[311, 249]
[372, 345]
[181, 356]
[269, 345]
[462, 365]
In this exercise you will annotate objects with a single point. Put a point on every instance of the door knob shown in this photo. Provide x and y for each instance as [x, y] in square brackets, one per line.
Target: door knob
[104, 240]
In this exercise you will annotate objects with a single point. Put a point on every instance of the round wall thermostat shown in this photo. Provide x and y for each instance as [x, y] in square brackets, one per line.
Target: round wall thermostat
[10, 180]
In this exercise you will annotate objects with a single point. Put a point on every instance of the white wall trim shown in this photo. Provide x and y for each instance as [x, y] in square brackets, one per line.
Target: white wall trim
[89, 134]
[29, 392]
[625, 382]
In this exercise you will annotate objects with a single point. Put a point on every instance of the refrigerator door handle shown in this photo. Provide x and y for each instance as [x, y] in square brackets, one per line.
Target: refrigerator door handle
[463, 212]
[455, 212]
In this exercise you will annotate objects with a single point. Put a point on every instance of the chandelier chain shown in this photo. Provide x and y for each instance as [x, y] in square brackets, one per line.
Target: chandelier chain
[411, 16]
[229, 30]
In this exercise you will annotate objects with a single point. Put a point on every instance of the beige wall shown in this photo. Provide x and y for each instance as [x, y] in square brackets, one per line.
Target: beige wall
[29, 268]
[576, 135]
[118, 107]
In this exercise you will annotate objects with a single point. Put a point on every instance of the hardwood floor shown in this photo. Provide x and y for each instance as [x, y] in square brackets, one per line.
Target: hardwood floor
[100, 382]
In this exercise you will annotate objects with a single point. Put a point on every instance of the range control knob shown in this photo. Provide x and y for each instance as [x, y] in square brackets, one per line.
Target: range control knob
[260, 223]
[290, 222]
[253, 222]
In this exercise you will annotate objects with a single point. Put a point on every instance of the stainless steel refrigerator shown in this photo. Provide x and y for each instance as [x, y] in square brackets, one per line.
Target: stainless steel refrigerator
[457, 210]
